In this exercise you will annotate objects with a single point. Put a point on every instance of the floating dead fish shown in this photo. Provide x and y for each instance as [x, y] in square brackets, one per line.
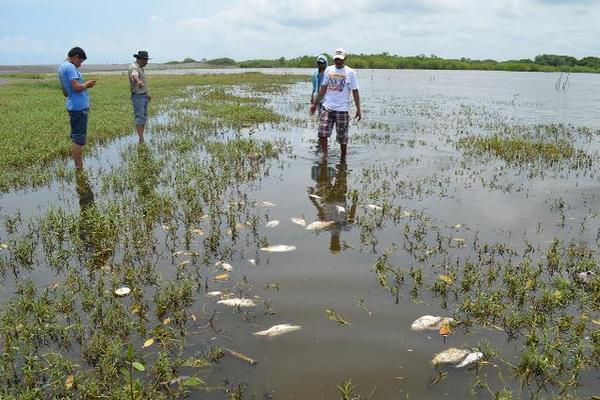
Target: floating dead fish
[470, 359]
[298, 221]
[123, 291]
[340, 209]
[222, 277]
[584, 277]
[178, 253]
[406, 213]
[252, 261]
[314, 196]
[148, 342]
[457, 226]
[279, 248]
[3, 246]
[272, 224]
[429, 322]
[320, 225]
[450, 356]
[184, 263]
[277, 330]
[226, 266]
[197, 231]
[374, 207]
[237, 302]
[214, 293]
[334, 316]
[268, 204]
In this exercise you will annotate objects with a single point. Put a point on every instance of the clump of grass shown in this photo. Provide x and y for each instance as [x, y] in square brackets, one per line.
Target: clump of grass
[520, 149]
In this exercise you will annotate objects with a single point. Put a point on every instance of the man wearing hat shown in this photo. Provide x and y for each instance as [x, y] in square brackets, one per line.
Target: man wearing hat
[140, 95]
[317, 79]
[338, 82]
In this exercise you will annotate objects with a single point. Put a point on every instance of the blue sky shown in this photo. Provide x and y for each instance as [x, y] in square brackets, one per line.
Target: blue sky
[42, 31]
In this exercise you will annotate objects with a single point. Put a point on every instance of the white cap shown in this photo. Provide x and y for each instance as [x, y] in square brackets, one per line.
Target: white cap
[339, 53]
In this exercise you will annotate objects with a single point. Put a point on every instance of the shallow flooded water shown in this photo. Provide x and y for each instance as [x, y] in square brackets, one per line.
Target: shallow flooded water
[419, 226]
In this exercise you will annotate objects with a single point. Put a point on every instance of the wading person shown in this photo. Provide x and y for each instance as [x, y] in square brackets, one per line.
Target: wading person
[140, 95]
[317, 79]
[78, 101]
[338, 82]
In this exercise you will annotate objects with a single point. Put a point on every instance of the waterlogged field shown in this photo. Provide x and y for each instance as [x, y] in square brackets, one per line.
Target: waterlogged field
[226, 259]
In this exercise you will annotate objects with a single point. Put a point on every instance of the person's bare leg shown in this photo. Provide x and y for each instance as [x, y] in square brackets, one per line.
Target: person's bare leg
[323, 144]
[343, 148]
[140, 131]
[77, 152]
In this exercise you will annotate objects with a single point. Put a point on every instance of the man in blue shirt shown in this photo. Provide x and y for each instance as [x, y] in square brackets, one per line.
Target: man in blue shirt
[318, 78]
[78, 101]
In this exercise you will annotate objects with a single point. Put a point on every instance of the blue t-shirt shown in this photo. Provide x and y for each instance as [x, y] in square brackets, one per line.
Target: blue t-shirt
[76, 101]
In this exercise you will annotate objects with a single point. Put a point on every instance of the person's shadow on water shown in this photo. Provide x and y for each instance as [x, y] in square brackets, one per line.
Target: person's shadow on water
[329, 196]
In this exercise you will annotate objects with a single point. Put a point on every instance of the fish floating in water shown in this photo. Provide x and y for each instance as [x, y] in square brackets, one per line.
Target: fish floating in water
[235, 302]
[214, 293]
[268, 204]
[252, 261]
[340, 209]
[374, 207]
[123, 291]
[272, 224]
[226, 266]
[320, 225]
[314, 196]
[279, 248]
[584, 277]
[429, 322]
[277, 330]
[450, 356]
[470, 359]
[298, 221]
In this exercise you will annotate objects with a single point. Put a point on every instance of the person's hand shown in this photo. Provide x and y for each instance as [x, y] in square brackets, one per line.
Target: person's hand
[149, 97]
[313, 108]
[140, 84]
[358, 115]
[90, 83]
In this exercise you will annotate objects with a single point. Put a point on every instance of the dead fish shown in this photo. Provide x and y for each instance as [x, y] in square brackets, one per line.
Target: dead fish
[197, 231]
[340, 209]
[123, 291]
[279, 248]
[252, 261]
[429, 322]
[584, 277]
[236, 302]
[268, 204]
[227, 267]
[272, 224]
[298, 221]
[320, 225]
[214, 293]
[470, 359]
[314, 196]
[374, 207]
[277, 330]
[450, 356]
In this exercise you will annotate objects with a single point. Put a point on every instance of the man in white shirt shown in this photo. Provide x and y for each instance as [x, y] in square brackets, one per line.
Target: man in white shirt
[338, 82]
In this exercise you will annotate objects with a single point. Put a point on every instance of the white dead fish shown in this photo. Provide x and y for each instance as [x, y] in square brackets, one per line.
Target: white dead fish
[214, 293]
[123, 291]
[314, 196]
[584, 277]
[272, 224]
[252, 261]
[277, 330]
[470, 359]
[340, 209]
[226, 266]
[279, 248]
[236, 302]
[374, 207]
[450, 356]
[298, 221]
[429, 322]
[268, 204]
[320, 225]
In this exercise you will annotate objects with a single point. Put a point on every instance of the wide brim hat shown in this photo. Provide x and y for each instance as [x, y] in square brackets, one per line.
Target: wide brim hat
[142, 54]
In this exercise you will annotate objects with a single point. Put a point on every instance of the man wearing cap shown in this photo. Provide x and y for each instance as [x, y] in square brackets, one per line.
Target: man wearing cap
[140, 95]
[78, 101]
[317, 79]
[338, 82]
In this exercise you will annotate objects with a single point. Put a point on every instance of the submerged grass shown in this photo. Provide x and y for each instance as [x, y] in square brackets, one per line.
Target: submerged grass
[35, 127]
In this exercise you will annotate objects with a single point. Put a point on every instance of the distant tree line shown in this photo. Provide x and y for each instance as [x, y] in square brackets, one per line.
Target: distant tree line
[544, 63]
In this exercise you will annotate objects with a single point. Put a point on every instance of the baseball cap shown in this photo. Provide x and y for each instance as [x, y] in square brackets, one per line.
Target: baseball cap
[339, 53]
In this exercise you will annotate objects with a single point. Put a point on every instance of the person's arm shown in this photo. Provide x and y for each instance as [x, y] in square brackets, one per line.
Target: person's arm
[356, 96]
[64, 91]
[315, 83]
[80, 87]
[317, 100]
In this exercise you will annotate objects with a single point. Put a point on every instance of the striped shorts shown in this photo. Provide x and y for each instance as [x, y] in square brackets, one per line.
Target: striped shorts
[341, 119]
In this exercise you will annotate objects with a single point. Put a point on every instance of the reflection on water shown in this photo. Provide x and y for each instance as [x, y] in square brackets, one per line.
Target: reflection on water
[332, 188]
[84, 191]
